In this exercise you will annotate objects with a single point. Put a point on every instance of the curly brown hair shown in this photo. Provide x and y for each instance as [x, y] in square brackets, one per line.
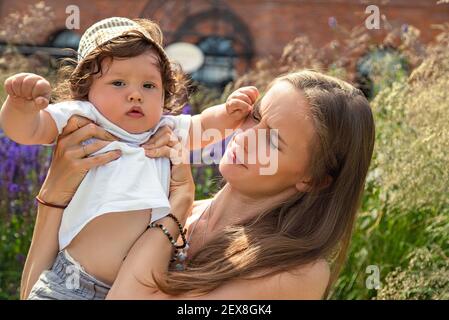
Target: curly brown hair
[75, 78]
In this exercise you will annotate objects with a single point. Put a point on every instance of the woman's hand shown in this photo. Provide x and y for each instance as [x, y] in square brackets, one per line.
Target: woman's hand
[164, 143]
[70, 162]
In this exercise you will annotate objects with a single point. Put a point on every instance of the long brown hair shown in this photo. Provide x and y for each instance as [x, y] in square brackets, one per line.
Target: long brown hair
[75, 79]
[311, 225]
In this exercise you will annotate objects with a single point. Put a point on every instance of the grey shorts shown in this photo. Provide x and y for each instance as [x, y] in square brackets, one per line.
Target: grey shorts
[67, 280]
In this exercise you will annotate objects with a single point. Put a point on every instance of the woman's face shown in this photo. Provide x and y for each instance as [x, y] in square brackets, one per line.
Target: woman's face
[244, 165]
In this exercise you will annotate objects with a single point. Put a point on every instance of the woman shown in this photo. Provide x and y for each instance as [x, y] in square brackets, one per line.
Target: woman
[262, 236]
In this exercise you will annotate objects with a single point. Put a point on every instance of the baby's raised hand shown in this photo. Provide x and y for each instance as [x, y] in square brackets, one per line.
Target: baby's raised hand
[240, 103]
[30, 91]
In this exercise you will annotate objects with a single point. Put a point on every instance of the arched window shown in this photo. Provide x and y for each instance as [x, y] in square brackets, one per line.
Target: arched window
[218, 68]
[379, 68]
[221, 35]
[66, 39]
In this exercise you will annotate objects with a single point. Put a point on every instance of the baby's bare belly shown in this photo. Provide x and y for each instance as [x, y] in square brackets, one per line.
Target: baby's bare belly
[103, 243]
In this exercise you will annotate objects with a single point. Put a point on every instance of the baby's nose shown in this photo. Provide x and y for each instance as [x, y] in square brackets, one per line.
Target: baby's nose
[135, 97]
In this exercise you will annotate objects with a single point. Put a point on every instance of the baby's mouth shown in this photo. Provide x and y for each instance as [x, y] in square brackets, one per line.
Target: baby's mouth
[135, 112]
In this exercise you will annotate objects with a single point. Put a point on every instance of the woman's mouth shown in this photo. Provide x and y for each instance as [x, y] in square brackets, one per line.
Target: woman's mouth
[233, 158]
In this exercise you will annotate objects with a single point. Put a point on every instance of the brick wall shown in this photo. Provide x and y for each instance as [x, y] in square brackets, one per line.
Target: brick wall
[271, 24]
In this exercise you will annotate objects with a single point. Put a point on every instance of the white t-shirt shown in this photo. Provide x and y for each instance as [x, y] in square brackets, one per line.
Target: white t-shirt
[132, 182]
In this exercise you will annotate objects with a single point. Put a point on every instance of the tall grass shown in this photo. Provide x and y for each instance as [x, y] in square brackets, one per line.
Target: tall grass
[404, 222]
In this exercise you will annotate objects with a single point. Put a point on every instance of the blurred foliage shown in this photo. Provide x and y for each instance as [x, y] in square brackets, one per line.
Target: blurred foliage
[404, 222]
[425, 277]
[22, 168]
[343, 57]
[28, 26]
[207, 181]
[15, 237]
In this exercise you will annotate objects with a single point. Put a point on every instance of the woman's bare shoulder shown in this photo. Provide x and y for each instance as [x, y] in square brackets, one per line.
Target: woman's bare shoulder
[198, 208]
[307, 281]
[319, 267]
[200, 204]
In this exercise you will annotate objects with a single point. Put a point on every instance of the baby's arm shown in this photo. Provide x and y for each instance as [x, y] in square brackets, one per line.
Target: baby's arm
[21, 117]
[229, 115]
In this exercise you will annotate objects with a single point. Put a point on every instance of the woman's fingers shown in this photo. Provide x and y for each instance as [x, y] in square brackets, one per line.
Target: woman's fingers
[168, 139]
[74, 123]
[177, 154]
[161, 152]
[89, 131]
[83, 151]
[163, 136]
[77, 122]
[100, 159]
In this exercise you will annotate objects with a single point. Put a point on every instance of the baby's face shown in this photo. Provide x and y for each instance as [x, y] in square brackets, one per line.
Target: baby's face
[129, 93]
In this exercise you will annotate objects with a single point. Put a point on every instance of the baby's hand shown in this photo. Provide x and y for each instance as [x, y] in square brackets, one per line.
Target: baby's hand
[28, 90]
[241, 101]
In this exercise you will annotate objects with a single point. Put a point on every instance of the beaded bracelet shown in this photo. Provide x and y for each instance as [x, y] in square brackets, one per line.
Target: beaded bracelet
[167, 233]
[181, 232]
[170, 237]
[164, 229]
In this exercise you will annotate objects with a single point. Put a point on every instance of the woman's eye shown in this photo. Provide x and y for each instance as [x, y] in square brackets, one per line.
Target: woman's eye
[274, 139]
[255, 114]
[149, 85]
[117, 83]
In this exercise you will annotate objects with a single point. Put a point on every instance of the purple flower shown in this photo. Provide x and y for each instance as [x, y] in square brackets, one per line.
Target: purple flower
[404, 28]
[22, 170]
[187, 109]
[332, 22]
[13, 188]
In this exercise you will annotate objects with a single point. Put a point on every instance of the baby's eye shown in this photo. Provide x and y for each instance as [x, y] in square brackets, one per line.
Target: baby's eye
[149, 85]
[117, 83]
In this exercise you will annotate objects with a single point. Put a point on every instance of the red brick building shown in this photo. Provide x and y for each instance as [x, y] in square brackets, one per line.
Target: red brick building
[240, 31]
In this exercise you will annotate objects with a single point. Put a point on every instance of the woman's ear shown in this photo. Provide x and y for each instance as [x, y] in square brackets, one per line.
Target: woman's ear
[304, 186]
[307, 186]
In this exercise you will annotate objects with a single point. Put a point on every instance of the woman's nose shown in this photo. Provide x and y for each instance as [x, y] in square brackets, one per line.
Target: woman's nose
[241, 139]
[250, 138]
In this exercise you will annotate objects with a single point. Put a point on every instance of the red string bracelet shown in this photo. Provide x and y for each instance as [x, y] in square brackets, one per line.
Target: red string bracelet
[49, 204]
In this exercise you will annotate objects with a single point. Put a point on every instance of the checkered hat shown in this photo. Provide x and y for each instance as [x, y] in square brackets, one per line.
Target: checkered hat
[108, 29]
